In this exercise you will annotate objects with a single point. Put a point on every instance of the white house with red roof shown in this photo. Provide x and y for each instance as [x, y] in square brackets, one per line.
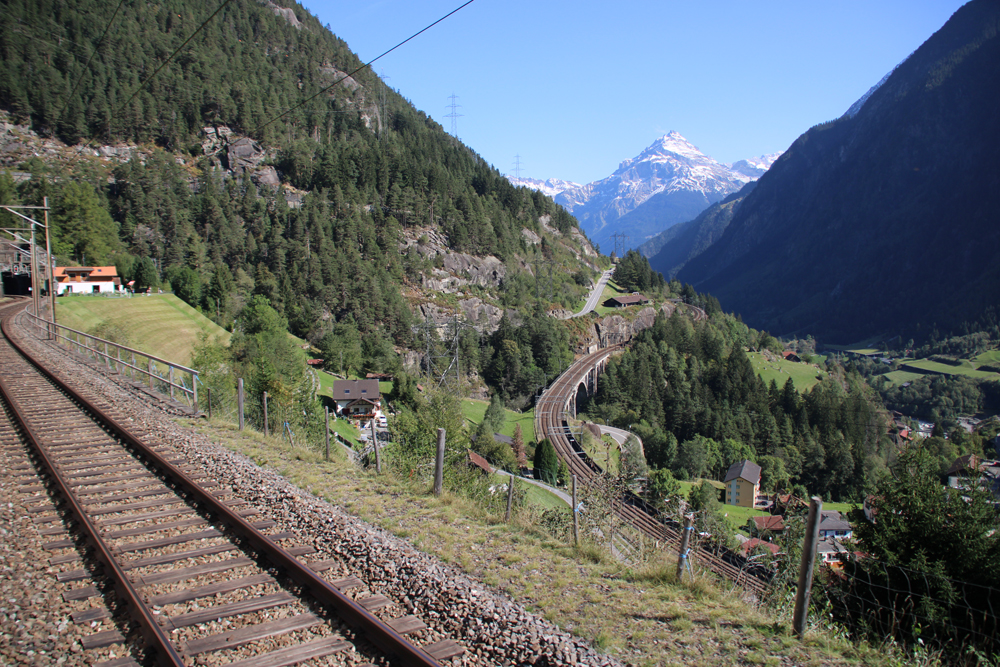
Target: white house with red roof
[86, 279]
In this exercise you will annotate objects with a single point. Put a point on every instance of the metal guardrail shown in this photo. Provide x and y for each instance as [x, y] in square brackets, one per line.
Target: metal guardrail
[134, 363]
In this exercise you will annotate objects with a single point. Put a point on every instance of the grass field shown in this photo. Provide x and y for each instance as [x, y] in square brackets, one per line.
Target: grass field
[937, 367]
[804, 376]
[474, 410]
[899, 377]
[610, 290]
[161, 324]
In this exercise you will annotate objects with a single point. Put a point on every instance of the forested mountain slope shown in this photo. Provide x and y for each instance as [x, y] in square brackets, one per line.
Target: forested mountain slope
[885, 221]
[353, 208]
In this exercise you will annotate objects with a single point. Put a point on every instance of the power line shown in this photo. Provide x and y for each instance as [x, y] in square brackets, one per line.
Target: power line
[368, 64]
[86, 67]
[170, 57]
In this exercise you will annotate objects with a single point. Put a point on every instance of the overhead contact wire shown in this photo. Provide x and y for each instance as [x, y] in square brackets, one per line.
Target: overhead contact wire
[368, 64]
[86, 68]
[171, 57]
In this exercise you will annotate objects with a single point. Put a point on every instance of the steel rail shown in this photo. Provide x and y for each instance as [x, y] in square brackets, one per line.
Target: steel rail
[374, 629]
[551, 424]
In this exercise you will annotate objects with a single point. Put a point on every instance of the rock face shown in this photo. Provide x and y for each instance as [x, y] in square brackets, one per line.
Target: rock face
[244, 155]
[615, 329]
[286, 13]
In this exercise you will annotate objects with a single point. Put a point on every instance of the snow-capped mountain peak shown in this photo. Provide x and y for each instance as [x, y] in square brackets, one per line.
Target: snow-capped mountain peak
[550, 187]
[683, 180]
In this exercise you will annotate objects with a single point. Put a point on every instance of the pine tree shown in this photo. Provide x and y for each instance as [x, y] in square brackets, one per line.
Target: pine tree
[546, 463]
[518, 447]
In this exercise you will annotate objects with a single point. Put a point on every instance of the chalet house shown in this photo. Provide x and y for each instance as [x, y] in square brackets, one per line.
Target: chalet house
[828, 551]
[769, 525]
[833, 524]
[478, 461]
[742, 484]
[791, 356]
[748, 547]
[970, 470]
[357, 399]
[86, 279]
[632, 299]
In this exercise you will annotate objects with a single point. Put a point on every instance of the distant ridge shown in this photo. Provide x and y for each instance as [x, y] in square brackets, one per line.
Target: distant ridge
[884, 221]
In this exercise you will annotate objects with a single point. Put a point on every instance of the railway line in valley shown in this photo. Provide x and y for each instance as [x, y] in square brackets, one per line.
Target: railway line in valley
[551, 423]
[166, 564]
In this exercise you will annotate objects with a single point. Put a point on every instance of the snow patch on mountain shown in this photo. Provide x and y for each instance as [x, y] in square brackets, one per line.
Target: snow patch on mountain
[754, 167]
[550, 187]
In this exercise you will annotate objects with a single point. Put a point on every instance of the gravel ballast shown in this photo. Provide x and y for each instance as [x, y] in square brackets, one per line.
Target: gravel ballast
[493, 629]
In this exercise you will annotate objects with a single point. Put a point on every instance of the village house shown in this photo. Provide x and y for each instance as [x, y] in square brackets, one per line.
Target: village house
[357, 399]
[829, 550]
[742, 484]
[748, 547]
[763, 526]
[86, 279]
[632, 299]
[833, 524]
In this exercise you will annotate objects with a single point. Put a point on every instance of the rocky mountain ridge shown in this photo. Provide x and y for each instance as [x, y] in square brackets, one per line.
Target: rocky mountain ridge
[673, 180]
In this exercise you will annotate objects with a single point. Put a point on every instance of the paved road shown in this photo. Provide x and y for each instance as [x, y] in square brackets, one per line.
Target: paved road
[565, 497]
[595, 296]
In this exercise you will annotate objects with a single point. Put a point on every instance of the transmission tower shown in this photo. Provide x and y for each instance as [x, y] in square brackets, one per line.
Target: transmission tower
[621, 243]
[517, 167]
[442, 350]
[454, 115]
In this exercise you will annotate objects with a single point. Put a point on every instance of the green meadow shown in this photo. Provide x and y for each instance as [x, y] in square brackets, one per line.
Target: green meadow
[159, 324]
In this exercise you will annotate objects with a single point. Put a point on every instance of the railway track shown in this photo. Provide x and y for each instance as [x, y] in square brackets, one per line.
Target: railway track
[188, 570]
[551, 423]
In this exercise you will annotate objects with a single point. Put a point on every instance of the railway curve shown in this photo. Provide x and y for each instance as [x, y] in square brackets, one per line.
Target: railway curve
[551, 423]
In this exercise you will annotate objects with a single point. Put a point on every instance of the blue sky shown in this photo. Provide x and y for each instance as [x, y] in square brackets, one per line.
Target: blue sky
[574, 88]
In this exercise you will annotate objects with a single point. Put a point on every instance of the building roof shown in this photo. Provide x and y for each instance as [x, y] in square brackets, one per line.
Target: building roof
[629, 299]
[479, 462]
[745, 469]
[964, 464]
[774, 523]
[833, 520]
[64, 273]
[349, 390]
[753, 542]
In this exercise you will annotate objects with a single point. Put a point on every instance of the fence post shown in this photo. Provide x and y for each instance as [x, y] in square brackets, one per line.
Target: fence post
[209, 402]
[378, 453]
[685, 541]
[510, 498]
[806, 569]
[239, 399]
[149, 369]
[576, 517]
[170, 379]
[266, 429]
[326, 412]
[439, 464]
[194, 389]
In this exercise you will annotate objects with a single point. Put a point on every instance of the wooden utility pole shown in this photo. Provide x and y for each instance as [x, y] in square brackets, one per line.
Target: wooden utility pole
[239, 398]
[806, 569]
[576, 517]
[682, 557]
[439, 464]
[326, 412]
[266, 429]
[510, 498]
[378, 453]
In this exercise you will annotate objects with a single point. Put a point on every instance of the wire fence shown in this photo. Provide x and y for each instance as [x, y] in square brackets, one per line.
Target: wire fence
[878, 600]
